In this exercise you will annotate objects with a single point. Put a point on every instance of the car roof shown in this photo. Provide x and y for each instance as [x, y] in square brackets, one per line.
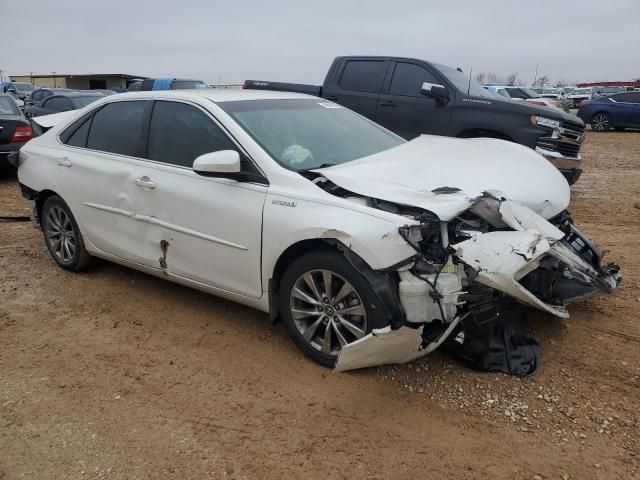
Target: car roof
[75, 93]
[213, 94]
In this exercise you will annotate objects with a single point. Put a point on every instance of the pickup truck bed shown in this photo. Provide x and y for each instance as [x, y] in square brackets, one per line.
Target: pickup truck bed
[315, 90]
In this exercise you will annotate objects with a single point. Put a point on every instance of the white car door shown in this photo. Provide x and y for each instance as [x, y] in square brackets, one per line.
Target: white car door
[96, 171]
[204, 229]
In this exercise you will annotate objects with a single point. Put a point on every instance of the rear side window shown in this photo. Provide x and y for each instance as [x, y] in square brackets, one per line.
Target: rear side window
[363, 75]
[179, 133]
[117, 128]
[630, 97]
[58, 104]
[408, 79]
[79, 137]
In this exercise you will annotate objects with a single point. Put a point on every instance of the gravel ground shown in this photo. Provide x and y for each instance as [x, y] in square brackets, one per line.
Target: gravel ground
[114, 374]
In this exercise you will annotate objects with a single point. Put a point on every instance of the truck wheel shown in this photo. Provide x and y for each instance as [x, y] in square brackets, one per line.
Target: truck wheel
[326, 304]
[600, 122]
[62, 235]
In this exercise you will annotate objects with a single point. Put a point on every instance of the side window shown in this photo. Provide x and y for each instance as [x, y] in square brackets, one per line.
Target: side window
[117, 128]
[180, 133]
[630, 97]
[408, 79]
[363, 75]
[503, 92]
[79, 137]
[58, 104]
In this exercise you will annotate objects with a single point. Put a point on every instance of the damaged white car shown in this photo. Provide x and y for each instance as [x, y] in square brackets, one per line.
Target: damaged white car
[368, 248]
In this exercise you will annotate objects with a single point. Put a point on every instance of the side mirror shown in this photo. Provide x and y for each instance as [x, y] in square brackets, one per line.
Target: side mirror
[12, 90]
[218, 164]
[433, 90]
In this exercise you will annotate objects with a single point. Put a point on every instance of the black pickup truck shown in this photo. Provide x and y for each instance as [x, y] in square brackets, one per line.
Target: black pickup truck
[412, 97]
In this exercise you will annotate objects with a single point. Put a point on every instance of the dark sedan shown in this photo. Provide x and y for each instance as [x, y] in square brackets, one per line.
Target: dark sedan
[62, 102]
[14, 128]
[42, 93]
[618, 111]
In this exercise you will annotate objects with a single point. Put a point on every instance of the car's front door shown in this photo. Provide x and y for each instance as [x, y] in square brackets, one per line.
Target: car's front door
[204, 229]
[404, 110]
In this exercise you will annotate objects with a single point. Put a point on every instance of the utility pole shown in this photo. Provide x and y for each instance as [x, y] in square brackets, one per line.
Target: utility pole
[1, 75]
[54, 79]
[535, 77]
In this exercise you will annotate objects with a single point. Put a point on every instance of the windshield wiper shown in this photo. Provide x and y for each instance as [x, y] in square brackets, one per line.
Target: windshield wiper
[324, 165]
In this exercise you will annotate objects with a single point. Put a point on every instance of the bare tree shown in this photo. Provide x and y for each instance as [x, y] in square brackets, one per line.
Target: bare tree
[542, 80]
[492, 78]
[480, 77]
[512, 79]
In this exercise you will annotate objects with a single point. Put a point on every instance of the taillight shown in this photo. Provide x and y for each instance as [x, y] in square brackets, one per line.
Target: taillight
[22, 134]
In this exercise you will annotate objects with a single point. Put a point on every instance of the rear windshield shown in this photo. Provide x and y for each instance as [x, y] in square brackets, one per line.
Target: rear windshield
[7, 106]
[24, 87]
[79, 102]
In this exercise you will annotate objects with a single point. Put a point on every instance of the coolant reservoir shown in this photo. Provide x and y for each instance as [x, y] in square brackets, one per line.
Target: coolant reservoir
[417, 302]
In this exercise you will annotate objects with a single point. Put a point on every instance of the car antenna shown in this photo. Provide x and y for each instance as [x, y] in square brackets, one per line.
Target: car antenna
[469, 87]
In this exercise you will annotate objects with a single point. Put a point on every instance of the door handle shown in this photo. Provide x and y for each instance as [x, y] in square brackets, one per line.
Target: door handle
[332, 98]
[387, 103]
[64, 162]
[144, 182]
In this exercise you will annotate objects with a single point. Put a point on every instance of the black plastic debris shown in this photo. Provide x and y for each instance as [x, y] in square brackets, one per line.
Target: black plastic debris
[501, 343]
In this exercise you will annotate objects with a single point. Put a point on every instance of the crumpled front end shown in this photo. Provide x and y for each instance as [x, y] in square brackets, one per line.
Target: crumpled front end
[472, 279]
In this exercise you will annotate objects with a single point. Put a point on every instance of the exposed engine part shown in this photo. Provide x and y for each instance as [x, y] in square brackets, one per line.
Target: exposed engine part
[496, 339]
[424, 303]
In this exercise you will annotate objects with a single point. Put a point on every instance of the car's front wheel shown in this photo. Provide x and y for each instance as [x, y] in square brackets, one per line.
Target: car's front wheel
[600, 122]
[62, 235]
[325, 304]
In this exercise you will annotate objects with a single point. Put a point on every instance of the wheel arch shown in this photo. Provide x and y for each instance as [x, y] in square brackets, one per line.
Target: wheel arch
[379, 279]
[40, 199]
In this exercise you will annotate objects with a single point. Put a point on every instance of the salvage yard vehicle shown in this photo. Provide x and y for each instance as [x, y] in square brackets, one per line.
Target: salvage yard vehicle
[618, 111]
[62, 102]
[526, 94]
[170, 84]
[388, 90]
[14, 129]
[369, 248]
[579, 95]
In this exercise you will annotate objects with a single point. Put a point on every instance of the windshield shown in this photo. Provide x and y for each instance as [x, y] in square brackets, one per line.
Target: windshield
[463, 83]
[7, 106]
[79, 102]
[553, 91]
[530, 92]
[187, 84]
[581, 91]
[24, 87]
[303, 134]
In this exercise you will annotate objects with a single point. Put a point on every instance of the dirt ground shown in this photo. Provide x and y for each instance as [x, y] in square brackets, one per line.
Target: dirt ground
[115, 374]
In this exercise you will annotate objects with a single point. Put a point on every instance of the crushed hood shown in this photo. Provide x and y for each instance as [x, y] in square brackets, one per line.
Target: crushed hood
[409, 173]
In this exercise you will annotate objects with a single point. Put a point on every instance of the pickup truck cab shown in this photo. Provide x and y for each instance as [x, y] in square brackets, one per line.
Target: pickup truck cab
[388, 91]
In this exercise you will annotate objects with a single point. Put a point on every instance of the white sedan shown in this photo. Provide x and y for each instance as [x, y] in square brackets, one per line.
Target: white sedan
[368, 248]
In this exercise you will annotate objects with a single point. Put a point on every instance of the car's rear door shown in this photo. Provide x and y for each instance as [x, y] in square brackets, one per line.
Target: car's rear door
[404, 110]
[357, 84]
[203, 229]
[96, 171]
[626, 109]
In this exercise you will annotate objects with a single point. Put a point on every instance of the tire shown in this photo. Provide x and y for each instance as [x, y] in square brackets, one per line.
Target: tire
[308, 313]
[600, 122]
[62, 235]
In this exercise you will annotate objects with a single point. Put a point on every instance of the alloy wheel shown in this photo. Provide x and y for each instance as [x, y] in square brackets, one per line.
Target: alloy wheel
[600, 122]
[61, 234]
[327, 311]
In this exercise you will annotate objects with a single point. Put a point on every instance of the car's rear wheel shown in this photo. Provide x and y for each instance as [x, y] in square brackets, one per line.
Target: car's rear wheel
[600, 122]
[326, 304]
[62, 235]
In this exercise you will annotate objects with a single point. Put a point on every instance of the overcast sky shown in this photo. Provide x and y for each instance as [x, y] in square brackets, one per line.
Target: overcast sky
[295, 41]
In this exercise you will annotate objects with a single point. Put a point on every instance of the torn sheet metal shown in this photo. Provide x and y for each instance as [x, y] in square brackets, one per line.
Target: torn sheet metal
[521, 218]
[381, 347]
[503, 258]
[386, 346]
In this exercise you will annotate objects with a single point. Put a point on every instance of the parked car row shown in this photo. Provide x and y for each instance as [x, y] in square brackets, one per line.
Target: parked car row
[15, 130]
[526, 94]
[369, 247]
[618, 111]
